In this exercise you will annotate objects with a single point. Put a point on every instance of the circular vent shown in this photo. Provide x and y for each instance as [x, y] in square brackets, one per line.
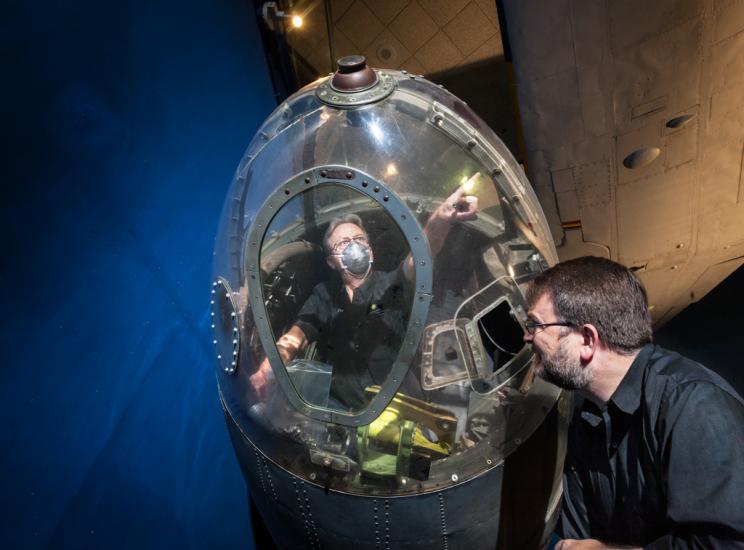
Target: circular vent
[641, 157]
[679, 121]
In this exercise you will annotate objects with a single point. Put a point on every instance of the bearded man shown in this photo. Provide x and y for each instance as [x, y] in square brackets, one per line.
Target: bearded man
[656, 445]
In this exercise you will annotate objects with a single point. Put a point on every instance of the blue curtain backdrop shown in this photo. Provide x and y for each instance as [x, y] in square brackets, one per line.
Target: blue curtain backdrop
[122, 125]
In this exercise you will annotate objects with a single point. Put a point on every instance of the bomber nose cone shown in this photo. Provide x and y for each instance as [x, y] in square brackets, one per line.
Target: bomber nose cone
[353, 74]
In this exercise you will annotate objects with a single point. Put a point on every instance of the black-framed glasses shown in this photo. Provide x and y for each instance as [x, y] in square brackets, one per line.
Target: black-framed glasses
[343, 243]
[531, 326]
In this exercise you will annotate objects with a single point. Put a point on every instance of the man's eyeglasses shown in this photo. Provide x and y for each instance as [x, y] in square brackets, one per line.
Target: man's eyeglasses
[343, 243]
[531, 326]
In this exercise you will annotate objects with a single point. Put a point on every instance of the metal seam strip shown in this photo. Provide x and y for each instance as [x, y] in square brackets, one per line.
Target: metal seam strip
[258, 468]
[443, 519]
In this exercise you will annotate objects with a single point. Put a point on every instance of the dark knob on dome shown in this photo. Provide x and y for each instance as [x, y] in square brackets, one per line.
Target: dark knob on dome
[353, 74]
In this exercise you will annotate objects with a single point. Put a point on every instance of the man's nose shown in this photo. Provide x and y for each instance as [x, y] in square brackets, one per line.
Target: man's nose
[527, 337]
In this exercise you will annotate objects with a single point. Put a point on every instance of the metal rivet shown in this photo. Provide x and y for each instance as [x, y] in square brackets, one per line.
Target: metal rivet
[365, 184]
[214, 342]
[323, 173]
[376, 189]
[286, 191]
[349, 175]
[386, 198]
[454, 477]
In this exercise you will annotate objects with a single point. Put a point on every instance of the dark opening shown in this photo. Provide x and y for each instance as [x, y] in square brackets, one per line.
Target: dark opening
[501, 334]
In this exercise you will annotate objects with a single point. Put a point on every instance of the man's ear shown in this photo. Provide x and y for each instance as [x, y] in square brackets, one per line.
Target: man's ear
[589, 342]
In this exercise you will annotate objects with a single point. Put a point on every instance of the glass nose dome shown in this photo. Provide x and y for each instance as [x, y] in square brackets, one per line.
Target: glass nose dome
[368, 292]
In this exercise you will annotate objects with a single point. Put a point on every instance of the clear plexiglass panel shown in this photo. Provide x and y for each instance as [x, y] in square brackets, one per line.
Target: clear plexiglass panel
[336, 276]
[466, 395]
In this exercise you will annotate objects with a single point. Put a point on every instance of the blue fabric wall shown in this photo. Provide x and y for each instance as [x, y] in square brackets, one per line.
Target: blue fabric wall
[122, 125]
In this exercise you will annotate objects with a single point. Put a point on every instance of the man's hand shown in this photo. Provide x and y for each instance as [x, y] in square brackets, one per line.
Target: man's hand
[289, 345]
[458, 207]
[262, 379]
[586, 544]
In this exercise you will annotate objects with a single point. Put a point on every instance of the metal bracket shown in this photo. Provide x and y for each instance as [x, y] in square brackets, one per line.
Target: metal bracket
[330, 96]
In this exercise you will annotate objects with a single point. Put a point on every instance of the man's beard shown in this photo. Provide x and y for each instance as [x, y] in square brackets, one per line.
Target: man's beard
[561, 369]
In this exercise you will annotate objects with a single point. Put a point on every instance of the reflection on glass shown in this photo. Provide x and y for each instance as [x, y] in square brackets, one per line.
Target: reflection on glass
[338, 299]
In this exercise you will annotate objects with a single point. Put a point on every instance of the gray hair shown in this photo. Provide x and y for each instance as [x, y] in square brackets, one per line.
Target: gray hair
[340, 220]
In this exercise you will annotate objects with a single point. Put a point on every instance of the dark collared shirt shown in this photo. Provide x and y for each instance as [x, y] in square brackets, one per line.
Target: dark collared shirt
[662, 464]
[360, 338]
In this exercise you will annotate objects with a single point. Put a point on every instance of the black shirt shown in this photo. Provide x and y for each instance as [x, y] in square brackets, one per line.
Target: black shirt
[360, 339]
[662, 464]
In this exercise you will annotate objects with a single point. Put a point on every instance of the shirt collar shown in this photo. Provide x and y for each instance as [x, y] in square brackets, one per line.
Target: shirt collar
[591, 412]
[627, 396]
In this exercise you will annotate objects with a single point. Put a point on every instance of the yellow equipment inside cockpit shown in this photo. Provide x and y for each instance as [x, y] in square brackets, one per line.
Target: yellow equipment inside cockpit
[405, 438]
